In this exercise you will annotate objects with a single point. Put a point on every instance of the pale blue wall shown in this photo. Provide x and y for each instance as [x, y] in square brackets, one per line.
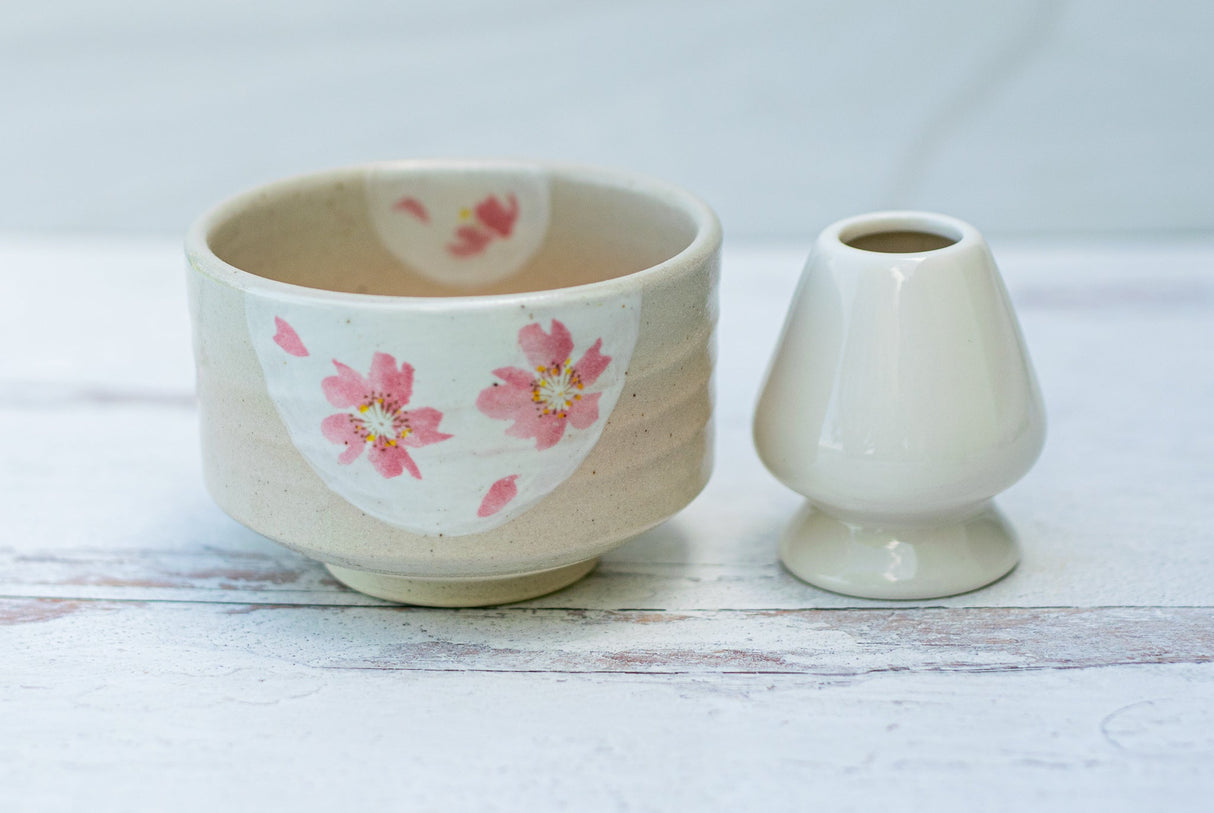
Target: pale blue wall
[1023, 117]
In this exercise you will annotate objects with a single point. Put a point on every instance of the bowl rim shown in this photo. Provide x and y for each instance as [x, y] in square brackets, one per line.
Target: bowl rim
[705, 243]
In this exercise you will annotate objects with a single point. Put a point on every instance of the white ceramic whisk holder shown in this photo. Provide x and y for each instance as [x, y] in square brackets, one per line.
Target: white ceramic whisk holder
[899, 401]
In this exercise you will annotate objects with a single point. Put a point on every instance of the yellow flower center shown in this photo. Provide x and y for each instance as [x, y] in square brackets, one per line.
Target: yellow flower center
[556, 388]
[380, 421]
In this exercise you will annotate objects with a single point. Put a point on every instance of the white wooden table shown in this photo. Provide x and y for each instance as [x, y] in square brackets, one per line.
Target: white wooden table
[156, 655]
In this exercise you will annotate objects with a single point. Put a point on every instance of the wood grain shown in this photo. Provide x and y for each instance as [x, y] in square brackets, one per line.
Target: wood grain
[842, 643]
[127, 705]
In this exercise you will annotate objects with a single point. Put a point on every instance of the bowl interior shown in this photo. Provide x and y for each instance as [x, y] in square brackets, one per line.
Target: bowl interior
[404, 230]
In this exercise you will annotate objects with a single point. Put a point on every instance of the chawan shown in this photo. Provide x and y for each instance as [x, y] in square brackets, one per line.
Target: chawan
[455, 383]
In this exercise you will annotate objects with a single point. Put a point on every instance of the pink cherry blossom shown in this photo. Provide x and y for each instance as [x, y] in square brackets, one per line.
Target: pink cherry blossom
[376, 418]
[495, 221]
[542, 401]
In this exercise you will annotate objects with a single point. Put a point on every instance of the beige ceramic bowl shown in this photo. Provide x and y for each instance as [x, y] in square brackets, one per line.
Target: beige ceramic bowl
[455, 383]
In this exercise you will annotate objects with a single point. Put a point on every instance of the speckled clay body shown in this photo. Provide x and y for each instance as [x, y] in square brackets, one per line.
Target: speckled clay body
[455, 383]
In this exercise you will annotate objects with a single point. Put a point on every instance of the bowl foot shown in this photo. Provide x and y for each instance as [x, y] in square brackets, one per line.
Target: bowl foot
[899, 562]
[461, 592]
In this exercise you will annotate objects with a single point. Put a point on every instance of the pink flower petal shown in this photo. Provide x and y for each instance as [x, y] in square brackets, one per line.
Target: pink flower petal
[513, 402]
[385, 379]
[423, 424]
[339, 428]
[592, 364]
[288, 339]
[552, 429]
[506, 401]
[414, 207]
[469, 240]
[546, 429]
[515, 377]
[546, 349]
[347, 388]
[495, 216]
[585, 411]
[392, 461]
[499, 495]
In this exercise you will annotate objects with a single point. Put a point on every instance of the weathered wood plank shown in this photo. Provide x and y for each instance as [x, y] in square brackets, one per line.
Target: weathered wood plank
[843, 643]
[201, 707]
[281, 736]
[94, 316]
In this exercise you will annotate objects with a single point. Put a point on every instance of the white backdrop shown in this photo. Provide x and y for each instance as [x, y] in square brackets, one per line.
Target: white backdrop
[1024, 117]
